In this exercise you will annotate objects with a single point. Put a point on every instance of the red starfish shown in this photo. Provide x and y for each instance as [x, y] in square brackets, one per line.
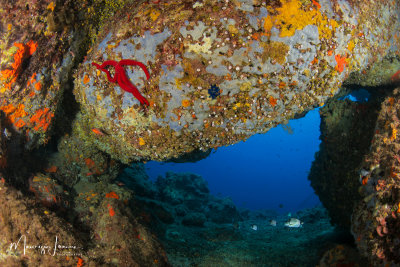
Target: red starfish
[121, 78]
[396, 76]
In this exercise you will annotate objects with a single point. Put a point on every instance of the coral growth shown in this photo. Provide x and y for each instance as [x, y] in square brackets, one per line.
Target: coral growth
[376, 220]
[9, 76]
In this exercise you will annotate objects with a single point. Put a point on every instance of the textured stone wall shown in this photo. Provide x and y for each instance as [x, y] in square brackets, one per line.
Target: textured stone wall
[221, 71]
[218, 71]
[347, 129]
[376, 218]
[207, 74]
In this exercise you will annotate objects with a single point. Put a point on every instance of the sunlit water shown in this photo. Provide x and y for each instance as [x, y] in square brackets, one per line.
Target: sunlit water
[268, 171]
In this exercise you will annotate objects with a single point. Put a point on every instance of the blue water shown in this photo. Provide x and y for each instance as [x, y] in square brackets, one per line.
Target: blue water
[360, 95]
[263, 172]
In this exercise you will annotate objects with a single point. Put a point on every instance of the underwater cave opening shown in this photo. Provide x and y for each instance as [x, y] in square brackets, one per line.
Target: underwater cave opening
[267, 172]
[357, 95]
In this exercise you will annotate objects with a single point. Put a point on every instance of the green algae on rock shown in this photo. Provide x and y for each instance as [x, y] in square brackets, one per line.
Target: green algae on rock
[270, 61]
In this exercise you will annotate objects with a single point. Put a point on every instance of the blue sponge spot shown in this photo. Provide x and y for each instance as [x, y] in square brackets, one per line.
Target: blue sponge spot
[214, 91]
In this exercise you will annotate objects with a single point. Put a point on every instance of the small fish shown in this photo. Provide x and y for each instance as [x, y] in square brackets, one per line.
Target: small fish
[272, 222]
[294, 223]
[97, 131]
[7, 133]
[364, 174]
[254, 227]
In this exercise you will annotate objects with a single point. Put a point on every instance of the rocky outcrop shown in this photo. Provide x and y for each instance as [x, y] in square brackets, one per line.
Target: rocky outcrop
[30, 234]
[179, 198]
[376, 217]
[347, 128]
[182, 77]
[355, 173]
[197, 75]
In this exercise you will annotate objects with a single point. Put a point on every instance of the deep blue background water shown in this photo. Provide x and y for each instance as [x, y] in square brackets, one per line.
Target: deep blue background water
[263, 172]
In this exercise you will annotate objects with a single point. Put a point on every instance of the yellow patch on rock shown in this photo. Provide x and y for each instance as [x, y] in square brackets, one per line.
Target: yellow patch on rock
[141, 141]
[154, 14]
[204, 48]
[246, 86]
[185, 103]
[350, 46]
[276, 51]
[232, 29]
[292, 16]
[51, 6]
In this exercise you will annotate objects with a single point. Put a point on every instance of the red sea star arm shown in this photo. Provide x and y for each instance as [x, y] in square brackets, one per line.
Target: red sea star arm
[129, 62]
[121, 78]
[103, 66]
[125, 84]
[396, 76]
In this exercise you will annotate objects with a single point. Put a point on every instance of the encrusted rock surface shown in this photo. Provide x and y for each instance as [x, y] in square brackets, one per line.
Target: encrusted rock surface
[221, 71]
[376, 218]
[179, 198]
[37, 56]
[209, 231]
[347, 128]
[48, 237]
[33, 226]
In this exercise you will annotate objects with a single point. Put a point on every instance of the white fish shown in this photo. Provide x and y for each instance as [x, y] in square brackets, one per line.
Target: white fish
[272, 222]
[294, 223]
[364, 172]
[254, 227]
[363, 175]
[7, 133]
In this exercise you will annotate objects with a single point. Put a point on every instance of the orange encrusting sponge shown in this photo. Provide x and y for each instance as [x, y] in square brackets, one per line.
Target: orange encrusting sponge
[9, 76]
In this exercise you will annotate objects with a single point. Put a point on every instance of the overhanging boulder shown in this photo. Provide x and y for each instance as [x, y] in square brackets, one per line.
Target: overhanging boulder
[214, 73]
